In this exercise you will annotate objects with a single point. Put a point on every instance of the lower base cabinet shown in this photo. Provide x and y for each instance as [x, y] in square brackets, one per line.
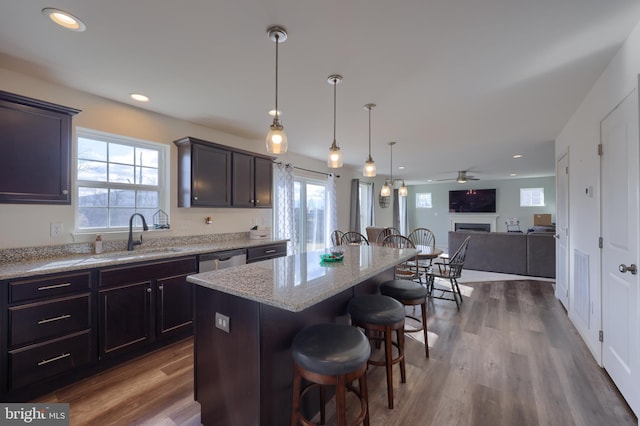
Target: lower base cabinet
[144, 303]
[59, 328]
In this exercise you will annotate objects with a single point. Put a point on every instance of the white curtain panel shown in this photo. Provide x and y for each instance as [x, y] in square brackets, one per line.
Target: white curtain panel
[284, 212]
[332, 207]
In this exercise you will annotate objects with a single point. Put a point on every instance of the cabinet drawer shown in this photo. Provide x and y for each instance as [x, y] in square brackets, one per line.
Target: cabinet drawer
[55, 285]
[266, 252]
[44, 320]
[38, 362]
[128, 274]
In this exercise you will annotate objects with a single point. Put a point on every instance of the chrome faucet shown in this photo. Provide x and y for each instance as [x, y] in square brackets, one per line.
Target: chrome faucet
[131, 243]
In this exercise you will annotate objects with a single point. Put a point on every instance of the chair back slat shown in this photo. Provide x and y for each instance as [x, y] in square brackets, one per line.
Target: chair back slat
[423, 237]
[336, 237]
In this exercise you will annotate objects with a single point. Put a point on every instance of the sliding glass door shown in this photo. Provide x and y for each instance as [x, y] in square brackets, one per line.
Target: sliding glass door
[310, 207]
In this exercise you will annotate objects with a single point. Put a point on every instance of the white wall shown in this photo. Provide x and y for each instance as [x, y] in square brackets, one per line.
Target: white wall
[507, 204]
[24, 225]
[580, 137]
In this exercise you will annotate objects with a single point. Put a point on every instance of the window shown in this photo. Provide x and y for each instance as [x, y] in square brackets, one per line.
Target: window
[531, 197]
[365, 192]
[310, 207]
[423, 200]
[116, 177]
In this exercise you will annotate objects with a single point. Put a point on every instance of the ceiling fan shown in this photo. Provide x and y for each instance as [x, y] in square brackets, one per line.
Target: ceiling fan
[463, 177]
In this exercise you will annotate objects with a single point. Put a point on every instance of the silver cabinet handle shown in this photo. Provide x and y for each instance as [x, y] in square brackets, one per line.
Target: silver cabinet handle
[61, 317]
[149, 290]
[631, 268]
[257, 201]
[65, 192]
[50, 287]
[195, 198]
[269, 251]
[47, 361]
[160, 287]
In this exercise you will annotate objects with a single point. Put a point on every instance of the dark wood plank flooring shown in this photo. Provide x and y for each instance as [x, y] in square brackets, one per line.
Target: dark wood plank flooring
[510, 356]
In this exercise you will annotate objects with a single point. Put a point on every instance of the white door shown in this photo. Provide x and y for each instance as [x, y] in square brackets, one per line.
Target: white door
[562, 230]
[619, 204]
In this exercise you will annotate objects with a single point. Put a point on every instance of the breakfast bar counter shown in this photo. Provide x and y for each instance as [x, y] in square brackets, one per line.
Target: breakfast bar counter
[247, 316]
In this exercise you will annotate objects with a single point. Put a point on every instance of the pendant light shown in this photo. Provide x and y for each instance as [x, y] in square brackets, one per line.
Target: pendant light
[390, 183]
[386, 188]
[334, 160]
[369, 169]
[276, 138]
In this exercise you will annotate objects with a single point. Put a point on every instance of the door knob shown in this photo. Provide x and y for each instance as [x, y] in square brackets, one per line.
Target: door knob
[631, 268]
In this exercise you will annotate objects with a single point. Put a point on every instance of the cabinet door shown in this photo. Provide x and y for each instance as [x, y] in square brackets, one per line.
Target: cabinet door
[243, 180]
[210, 176]
[36, 151]
[125, 318]
[174, 305]
[263, 182]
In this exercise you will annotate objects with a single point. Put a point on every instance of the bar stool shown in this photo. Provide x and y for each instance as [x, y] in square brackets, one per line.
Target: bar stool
[378, 314]
[330, 354]
[410, 293]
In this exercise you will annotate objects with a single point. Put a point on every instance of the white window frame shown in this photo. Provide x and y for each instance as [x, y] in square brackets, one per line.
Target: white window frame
[366, 209]
[163, 177]
[428, 199]
[532, 197]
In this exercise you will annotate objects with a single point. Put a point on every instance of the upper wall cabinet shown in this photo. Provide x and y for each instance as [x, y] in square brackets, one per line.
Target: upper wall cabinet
[212, 175]
[35, 141]
[252, 180]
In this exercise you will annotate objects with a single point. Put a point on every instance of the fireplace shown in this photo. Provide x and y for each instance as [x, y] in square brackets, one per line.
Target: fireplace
[482, 227]
[472, 219]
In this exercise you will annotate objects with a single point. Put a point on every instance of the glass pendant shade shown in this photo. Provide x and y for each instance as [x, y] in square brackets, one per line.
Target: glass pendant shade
[334, 159]
[403, 191]
[386, 189]
[369, 169]
[276, 138]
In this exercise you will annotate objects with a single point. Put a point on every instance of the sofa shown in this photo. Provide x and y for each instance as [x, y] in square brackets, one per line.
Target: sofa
[532, 254]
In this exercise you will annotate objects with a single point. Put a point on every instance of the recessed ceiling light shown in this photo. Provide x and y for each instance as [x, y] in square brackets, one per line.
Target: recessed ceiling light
[513, 174]
[64, 19]
[140, 98]
[401, 167]
[429, 180]
[517, 156]
[273, 112]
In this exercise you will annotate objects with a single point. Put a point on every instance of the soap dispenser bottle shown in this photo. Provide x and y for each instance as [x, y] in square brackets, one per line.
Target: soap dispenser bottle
[98, 245]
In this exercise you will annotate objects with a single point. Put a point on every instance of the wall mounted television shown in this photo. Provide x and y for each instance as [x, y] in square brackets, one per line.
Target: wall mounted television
[472, 201]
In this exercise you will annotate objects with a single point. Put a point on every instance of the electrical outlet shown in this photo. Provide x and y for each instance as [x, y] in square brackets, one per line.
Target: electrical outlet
[222, 322]
[56, 229]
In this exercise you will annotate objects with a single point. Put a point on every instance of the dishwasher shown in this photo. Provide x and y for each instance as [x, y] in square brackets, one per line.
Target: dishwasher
[221, 259]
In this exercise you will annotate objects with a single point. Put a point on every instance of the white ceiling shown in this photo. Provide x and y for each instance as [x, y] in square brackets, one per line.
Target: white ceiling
[459, 84]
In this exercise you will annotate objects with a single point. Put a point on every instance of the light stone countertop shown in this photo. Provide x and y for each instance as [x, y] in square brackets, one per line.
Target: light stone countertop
[29, 268]
[297, 282]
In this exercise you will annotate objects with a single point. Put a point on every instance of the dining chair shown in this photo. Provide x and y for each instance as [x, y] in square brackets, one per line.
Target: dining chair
[354, 238]
[382, 235]
[336, 237]
[424, 240]
[406, 270]
[450, 271]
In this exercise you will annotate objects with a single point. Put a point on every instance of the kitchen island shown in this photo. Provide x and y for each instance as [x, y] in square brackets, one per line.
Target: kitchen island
[246, 317]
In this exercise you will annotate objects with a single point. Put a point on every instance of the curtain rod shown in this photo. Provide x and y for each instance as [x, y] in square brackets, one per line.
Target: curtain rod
[307, 170]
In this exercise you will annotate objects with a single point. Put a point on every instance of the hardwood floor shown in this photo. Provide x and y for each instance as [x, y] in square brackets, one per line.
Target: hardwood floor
[510, 356]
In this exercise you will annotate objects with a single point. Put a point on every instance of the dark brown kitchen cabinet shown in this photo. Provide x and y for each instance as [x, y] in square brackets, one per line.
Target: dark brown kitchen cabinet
[50, 332]
[266, 252]
[35, 138]
[252, 180]
[143, 303]
[213, 175]
[204, 174]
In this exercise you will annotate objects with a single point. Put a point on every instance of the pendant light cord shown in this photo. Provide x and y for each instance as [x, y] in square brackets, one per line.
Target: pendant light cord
[369, 159]
[277, 35]
[335, 83]
[391, 157]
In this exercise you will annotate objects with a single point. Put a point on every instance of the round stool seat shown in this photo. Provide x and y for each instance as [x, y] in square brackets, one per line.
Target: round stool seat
[330, 349]
[403, 290]
[376, 309]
